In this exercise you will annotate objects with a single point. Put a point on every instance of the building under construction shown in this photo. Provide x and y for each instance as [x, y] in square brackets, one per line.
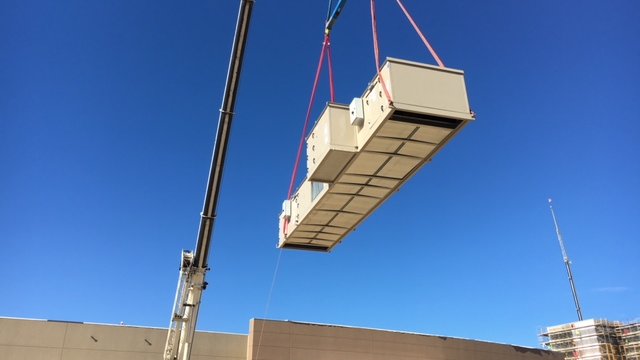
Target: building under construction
[594, 340]
[629, 338]
[590, 339]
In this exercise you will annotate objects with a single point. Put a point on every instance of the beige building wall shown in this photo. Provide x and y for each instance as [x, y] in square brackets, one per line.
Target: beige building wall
[47, 340]
[283, 340]
[268, 340]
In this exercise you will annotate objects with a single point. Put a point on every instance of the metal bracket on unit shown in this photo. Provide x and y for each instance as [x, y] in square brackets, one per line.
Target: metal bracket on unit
[356, 112]
[286, 209]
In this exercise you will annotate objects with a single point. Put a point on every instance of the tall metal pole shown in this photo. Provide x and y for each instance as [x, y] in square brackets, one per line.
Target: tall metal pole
[567, 262]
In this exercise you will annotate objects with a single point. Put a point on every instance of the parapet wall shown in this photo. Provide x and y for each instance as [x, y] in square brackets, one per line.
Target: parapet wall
[51, 340]
[267, 340]
[286, 340]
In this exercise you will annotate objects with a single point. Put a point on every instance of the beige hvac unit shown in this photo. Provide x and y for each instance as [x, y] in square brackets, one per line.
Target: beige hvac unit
[359, 155]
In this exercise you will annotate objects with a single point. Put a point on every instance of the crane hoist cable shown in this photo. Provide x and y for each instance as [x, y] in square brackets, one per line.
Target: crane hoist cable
[332, 15]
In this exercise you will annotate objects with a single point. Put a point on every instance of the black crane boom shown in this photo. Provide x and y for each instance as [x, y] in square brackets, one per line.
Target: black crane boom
[209, 209]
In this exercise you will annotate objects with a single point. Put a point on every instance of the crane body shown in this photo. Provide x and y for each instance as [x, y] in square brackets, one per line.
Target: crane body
[194, 265]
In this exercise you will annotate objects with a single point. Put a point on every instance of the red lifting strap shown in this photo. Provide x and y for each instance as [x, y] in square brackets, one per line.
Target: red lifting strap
[332, 91]
[326, 49]
[376, 50]
[424, 39]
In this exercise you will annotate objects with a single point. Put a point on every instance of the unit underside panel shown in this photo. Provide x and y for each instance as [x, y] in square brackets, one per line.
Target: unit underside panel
[402, 144]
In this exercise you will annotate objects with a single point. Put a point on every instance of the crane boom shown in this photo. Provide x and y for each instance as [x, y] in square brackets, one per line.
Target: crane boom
[194, 266]
[567, 262]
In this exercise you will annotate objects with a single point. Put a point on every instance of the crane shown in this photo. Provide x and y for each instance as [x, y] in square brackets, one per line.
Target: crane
[194, 265]
[567, 262]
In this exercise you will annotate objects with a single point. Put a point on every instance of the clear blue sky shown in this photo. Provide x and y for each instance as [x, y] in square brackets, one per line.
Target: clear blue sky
[107, 119]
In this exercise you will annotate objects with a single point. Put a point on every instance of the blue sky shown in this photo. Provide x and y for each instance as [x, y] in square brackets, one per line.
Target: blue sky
[107, 119]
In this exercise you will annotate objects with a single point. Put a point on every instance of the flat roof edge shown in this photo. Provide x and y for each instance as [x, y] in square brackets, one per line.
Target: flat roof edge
[114, 325]
[400, 332]
[420, 64]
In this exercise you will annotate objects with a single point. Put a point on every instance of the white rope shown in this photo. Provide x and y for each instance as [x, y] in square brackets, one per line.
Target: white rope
[266, 308]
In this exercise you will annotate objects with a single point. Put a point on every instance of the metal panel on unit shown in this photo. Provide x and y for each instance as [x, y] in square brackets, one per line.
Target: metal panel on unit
[331, 144]
[357, 157]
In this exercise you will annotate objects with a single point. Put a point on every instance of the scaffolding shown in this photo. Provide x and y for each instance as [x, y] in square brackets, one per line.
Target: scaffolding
[585, 340]
[629, 338]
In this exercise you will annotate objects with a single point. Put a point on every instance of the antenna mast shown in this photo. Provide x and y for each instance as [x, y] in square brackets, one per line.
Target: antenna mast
[567, 262]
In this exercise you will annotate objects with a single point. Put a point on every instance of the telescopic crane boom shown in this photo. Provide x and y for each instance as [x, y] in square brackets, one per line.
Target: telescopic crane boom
[194, 266]
[567, 262]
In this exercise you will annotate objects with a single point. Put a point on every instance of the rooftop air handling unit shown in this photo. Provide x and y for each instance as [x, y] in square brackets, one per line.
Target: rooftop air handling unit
[358, 155]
